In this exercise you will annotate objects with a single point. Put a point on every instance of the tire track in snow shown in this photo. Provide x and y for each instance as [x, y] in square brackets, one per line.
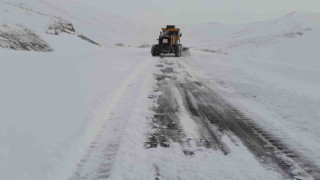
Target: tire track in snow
[99, 158]
[174, 104]
[166, 122]
[184, 99]
[261, 143]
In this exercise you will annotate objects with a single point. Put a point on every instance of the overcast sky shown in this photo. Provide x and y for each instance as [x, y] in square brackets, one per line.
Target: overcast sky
[204, 11]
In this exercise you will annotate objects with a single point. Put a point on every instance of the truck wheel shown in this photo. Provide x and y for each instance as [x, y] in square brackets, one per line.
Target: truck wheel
[178, 52]
[154, 52]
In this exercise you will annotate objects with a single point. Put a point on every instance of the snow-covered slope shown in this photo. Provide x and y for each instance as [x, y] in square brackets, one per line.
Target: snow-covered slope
[52, 103]
[272, 68]
[88, 23]
[97, 24]
[28, 29]
[285, 40]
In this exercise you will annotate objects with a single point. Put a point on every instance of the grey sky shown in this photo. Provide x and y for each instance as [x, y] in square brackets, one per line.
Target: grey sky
[204, 11]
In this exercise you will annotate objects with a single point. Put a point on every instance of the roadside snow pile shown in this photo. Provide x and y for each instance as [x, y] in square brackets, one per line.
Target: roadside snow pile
[273, 70]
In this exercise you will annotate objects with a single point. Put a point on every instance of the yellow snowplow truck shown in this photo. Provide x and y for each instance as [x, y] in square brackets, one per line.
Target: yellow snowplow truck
[169, 42]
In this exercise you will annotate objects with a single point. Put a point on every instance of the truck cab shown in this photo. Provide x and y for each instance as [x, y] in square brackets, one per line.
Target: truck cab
[168, 42]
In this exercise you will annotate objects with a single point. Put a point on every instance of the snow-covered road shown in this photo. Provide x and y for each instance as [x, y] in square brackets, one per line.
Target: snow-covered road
[153, 118]
[167, 122]
[98, 160]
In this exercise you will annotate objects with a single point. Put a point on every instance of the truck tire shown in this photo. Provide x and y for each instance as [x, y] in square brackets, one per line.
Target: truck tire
[178, 51]
[154, 51]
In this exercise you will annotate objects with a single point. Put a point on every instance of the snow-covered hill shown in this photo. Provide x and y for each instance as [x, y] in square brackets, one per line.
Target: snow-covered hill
[285, 40]
[47, 19]
[272, 69]
[28, 29]
[53, 103]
